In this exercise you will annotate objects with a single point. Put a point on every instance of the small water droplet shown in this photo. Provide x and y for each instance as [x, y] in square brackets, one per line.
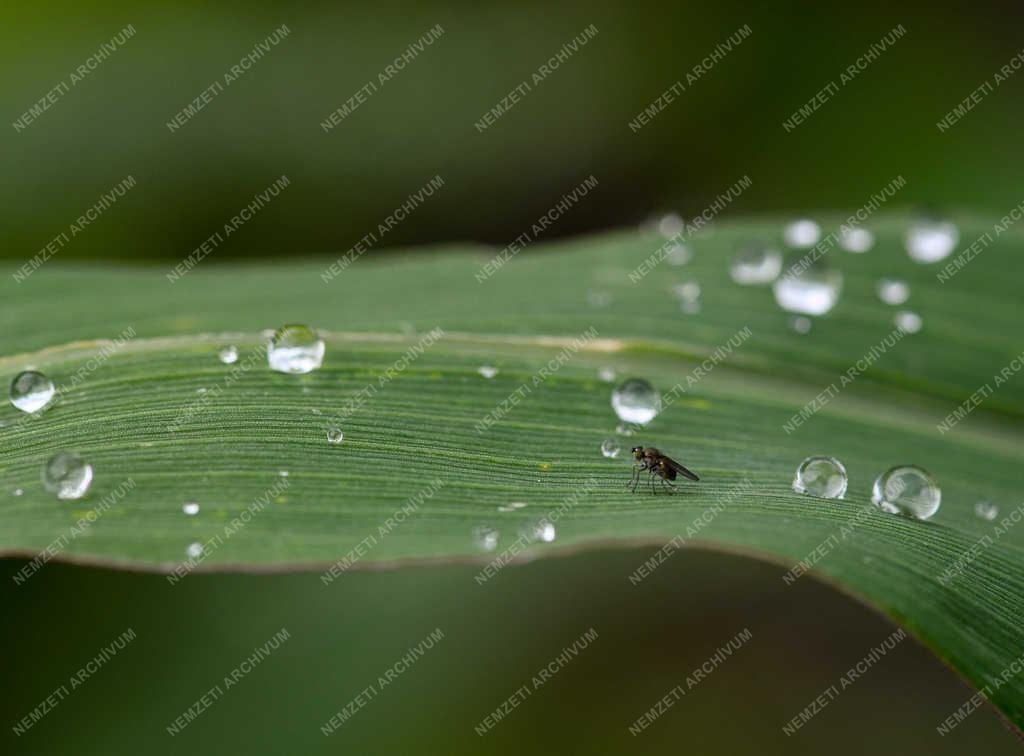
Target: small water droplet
[688, 291]
[485, 537]
[824, 477]
[610, 448]
[194, 550]
[808, 286]
[625, 430]
[893, 291]
[908, 490]
[606, 374]
[670, 224]
[800, 324]
[190, 508]
[31, 391]
[802, 233]
[636, 401]
[929, 241]
[335, 435]
[19, 491]
[284, 473]
[295, 349]
[599, 298]
[228, 355]
[512, 506]
[856, 239]
[67, 475]
[907, 321]
[986, 510]
[487, 371]
[678, 254]
[200, 390]
[317, 412]
[755, 263]
[539, 531]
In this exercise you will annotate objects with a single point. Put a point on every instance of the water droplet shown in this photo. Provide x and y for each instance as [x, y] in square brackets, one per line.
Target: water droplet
[228, 355]
[485, 537]
[201, 390]
[930, 241]
[824, 477]
[487, 371]
[678, 254]
[512, 506]
[892, 291]
[670, 225]
[856, 239]
[802, 233]
[539, 531]
[688, 291]
[636, 401]
[756, 263]
[31, 391]
[67, 475]
[190, 508]
[986, 510]
[610, 448]
[317, 412]
[800, 324]
[335, 435]
[625, 430]
[599, 298]
[808, 286]
[907, 490]
[194, 550]
[606, 374]
[907, 321]
[295, 349]
[19, 491]
[283, 473]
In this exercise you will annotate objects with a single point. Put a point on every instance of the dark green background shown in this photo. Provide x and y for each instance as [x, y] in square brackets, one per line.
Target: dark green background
[497, 182]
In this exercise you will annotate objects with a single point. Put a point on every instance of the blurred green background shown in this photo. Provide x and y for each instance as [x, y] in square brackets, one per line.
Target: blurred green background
[421, 122]
[497, 182]
[650, 637]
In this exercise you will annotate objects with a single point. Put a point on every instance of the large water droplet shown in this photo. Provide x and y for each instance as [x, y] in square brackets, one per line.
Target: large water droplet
[31, 391]
[756, 263]
[856, 239]
[907, 321]
[636, 401]
[802, 233]
[335, 435]
[824, 477]
[986, 510]
[487, 371]
[228, 355]
[295, 349]
[808, 286]
[931, 241]
[610, 448]
[190, 508]
[892, 291]
[67, 475]
[485, 537]
[907, 490]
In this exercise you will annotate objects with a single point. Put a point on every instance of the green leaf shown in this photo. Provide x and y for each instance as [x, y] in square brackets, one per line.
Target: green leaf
[163, 413]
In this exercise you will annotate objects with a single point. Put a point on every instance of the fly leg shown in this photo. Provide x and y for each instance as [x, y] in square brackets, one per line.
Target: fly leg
[668, 486]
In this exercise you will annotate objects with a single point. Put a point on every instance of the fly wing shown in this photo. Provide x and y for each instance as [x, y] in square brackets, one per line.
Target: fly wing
[680, 469]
